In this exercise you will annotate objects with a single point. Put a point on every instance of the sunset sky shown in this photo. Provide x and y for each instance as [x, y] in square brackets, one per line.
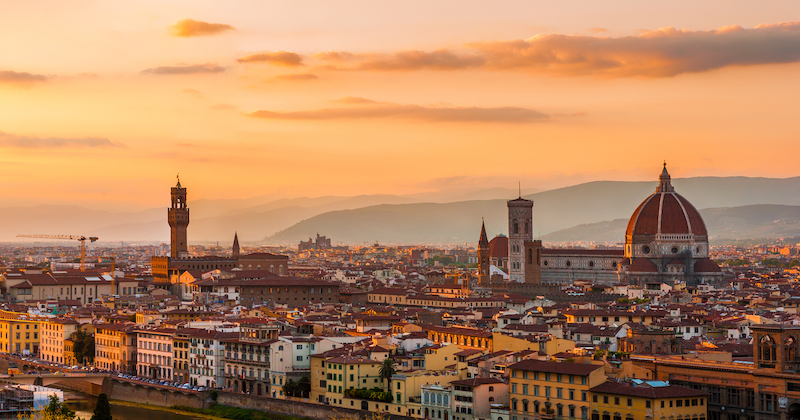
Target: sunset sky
[102, 103]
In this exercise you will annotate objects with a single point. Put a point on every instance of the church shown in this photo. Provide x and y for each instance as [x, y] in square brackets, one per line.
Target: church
[666, 241]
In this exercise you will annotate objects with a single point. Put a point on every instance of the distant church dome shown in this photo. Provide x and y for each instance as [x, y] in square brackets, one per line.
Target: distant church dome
[666, 241]
[665, 212]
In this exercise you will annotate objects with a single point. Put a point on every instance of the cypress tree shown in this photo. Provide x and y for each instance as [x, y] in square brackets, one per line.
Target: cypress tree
[103, 409]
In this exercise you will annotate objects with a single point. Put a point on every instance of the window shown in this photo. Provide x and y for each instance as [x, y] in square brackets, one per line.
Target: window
[630, 402]
[299, 358]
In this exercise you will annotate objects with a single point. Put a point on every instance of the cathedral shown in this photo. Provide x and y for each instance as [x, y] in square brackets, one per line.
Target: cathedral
[665, 242]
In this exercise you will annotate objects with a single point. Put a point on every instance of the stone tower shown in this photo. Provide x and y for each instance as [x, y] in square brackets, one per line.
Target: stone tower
[520, 229]
[235, 249]
[178, 217]
[484, 276]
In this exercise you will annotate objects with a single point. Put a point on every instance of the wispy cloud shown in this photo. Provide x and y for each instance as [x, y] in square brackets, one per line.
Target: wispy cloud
[190, 28]
[300, 77]
[403, 60]
[185, 69]
[277, 58]
[373, 110]
[664, 52]
[20, 78]
[28, 142]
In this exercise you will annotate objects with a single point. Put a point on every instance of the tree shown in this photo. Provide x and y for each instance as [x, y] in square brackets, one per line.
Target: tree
[55, 410]
[387, 369]
[289, 388]
[84, 346]
[103, 409]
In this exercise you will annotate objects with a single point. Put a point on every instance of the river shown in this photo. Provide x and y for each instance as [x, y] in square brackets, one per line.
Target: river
[84, 404]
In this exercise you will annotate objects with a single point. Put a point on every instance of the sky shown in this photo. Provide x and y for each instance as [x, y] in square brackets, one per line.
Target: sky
[103, 104]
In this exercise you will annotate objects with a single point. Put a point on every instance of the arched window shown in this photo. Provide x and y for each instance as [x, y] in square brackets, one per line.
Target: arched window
[766, 349]
[515, 226]
[790, 349]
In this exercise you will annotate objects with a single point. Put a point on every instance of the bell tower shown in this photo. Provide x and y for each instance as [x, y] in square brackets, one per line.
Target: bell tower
[178, 217]
[484, 276]
[520, 229]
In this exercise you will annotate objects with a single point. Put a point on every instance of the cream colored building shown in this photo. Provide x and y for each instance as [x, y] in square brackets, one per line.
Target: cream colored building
[53, 334]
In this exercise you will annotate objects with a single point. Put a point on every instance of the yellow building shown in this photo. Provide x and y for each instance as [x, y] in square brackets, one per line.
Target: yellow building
[464, 337]
[115, 347]
[346, 372]
[647, 400]
[19, 332]
[552, 388]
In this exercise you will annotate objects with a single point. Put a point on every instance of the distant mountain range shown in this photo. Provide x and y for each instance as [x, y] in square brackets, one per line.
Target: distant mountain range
[755, 221]
[731, 206]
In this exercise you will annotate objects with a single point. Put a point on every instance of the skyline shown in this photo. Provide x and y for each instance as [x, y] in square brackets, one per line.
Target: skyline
[102, 105]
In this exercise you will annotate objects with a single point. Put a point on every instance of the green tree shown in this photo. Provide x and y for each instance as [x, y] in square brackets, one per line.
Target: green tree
[289, 388]
[84, 346]
[103, 409]
[387, 369]
[55, 410]
[303, 388]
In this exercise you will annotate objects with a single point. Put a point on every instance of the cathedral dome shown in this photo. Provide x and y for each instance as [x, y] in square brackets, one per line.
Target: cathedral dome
[706, 265]
[643, 265]
[666, 212]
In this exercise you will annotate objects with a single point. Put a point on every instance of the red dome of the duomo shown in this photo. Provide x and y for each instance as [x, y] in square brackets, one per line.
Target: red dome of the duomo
[665, 212]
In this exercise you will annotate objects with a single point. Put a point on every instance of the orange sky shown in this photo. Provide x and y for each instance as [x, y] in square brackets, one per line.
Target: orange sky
[102, 103]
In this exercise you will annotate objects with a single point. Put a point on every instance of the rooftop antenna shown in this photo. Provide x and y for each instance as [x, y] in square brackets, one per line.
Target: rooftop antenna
[520, 189]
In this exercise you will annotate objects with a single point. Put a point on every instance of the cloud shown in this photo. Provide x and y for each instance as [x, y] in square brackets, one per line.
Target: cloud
[192, 92]
[354, 100]
[21, 78]
[300, 77]
[189, 28]
[185, 69]
[277, 58]
[406, 60]
[411, 112]
[665, 52]
[598, 30]
[26, 142]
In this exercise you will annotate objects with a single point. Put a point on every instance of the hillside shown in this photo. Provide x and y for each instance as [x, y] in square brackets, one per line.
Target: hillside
[427, 217]
[754, 221]
[555, 210]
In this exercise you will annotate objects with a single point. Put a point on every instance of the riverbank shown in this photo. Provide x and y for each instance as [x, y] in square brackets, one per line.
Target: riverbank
[237, 413]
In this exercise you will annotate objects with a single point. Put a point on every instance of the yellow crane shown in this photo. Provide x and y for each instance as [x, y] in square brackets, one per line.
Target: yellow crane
[68, 237]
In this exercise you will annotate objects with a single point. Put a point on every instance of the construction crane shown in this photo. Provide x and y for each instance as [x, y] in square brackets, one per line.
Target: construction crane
[68, 237]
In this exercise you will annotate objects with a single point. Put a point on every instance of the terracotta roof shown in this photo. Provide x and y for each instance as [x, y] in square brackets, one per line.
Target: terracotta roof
[580, 369]
[665, 211]
[498, 247]
[476, 382]
[646, 391]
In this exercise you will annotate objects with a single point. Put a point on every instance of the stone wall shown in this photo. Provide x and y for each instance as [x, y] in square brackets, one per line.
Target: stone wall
[294, 408]
[79, 385]
[162, 397]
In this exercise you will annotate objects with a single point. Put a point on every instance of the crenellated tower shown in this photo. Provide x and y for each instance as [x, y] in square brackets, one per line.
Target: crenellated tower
[178, 218]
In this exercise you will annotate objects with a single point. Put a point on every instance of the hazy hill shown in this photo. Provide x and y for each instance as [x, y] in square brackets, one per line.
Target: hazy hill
[452, 216]
[755, 221]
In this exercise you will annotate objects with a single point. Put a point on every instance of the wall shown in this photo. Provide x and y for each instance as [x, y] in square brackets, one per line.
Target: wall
[295, 408]
[162, 397]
